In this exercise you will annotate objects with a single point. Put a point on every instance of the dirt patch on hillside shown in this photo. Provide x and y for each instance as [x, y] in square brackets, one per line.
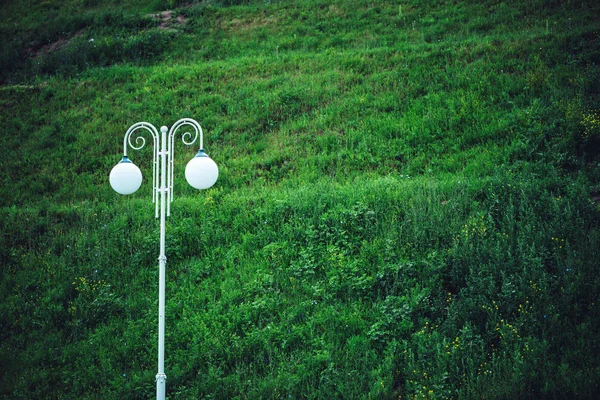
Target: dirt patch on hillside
[51, 47]
[168, 20]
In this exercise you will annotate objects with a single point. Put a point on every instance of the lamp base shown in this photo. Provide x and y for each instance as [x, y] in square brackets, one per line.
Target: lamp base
[161, 383]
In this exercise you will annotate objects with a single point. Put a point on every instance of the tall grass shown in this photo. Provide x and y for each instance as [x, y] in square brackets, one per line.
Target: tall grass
[406, 207]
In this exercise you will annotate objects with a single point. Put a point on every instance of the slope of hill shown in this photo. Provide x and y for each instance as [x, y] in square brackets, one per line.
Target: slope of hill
[407, 204]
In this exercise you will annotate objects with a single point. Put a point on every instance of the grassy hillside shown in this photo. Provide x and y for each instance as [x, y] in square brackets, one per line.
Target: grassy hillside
[407, 204]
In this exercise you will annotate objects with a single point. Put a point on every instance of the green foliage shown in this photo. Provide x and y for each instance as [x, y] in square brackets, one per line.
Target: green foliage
[407, 204]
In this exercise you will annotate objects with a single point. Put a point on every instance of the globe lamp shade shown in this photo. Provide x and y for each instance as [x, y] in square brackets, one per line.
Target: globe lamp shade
[201, 172]
[125, 177]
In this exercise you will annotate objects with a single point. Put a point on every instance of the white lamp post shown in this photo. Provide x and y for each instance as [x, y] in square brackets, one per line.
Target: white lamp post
[125, 178]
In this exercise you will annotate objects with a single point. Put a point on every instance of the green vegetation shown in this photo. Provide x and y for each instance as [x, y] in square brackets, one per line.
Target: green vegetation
[407, 204]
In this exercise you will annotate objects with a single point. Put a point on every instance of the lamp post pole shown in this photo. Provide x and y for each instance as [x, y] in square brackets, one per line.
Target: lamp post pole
[161, 377]
[126, 178]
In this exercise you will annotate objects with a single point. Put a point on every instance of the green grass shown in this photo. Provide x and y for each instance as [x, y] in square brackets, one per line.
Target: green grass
[406, 207]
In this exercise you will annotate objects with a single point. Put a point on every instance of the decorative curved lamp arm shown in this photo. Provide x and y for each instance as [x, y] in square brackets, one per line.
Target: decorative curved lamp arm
[140, 142]
[188, 139]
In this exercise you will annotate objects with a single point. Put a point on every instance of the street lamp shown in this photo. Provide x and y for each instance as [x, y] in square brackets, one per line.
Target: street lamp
[125, 178]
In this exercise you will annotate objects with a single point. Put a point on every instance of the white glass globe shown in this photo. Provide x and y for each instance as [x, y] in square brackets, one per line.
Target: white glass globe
[201, 172]
[125, 177]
